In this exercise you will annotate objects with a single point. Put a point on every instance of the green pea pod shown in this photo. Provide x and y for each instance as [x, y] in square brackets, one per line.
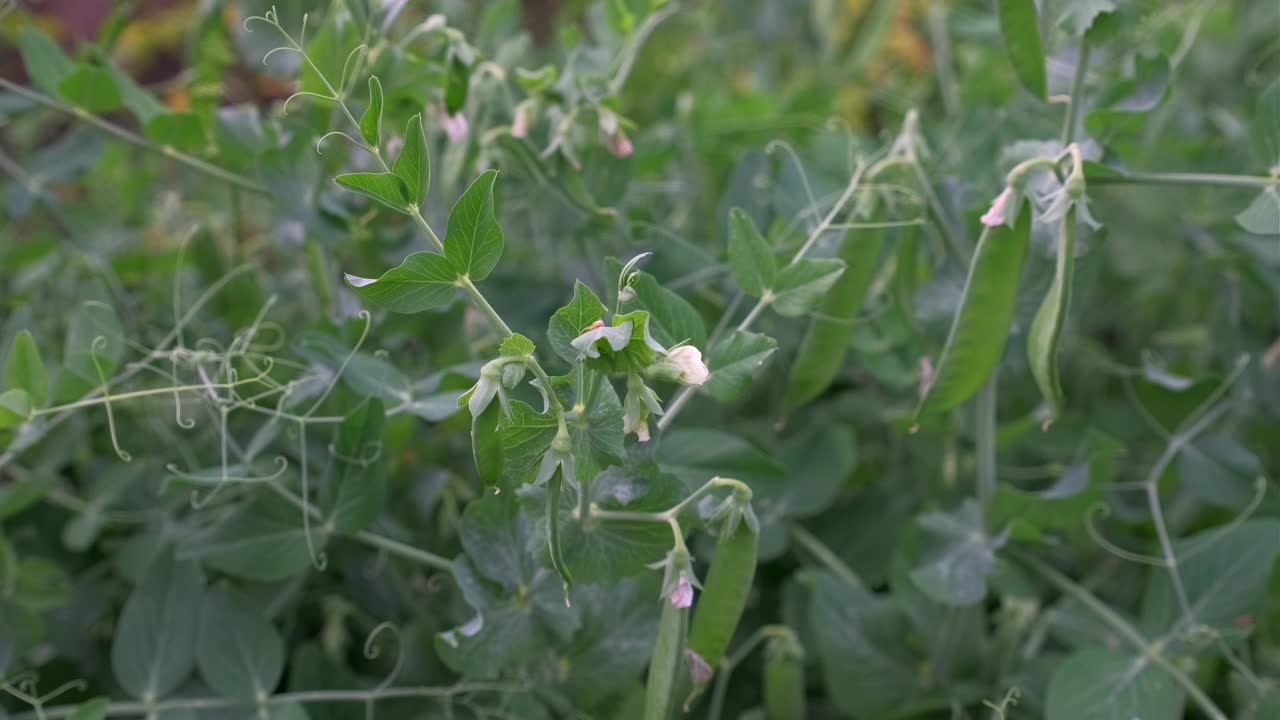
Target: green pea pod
[826, 344]
[724, 593]
[1046, 329]
[664, 666]
[981, 324]
[486, 444]
[784, 696]
[553, 530]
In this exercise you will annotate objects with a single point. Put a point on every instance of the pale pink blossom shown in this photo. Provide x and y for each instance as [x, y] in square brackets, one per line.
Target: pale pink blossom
[620, 145]
[995, 216]
[456, 127]
[682, 596]
[520, 124]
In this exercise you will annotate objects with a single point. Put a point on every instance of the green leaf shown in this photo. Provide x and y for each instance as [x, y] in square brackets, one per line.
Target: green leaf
[606, 550]
[239, 653]
[619, 623]
[266, 541]
[526, 435]
[1266, 126]
[825, 345]
[671, 318]
[822, 460]
[516, 345]
[371, 120]
[734, 360]
[1020, 27]
[90, 88]
[20, 494]
[1045, 336]
[571, 320]
[473, 240]
[40, 585]
[387, 188]
[413, 166]
[1078, 17]
[15, 408]
[24, 370]
[45, 62]
[95, 709]
[181, 130]
[1124, 106]
[423, 281]
[1063, 505]
[802, 285]
[695, 456]
[459, 80]
[1108, 685]
[486, 444]
[141, 102]
[359, 478]
[750, 257]
[1225, 573]
[1219, 470]
[153, 646]
[1262, 217]
[956, 569]
[981, 323]
[863, 631]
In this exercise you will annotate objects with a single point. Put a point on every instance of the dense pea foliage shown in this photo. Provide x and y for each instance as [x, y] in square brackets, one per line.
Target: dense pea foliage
[641, 359]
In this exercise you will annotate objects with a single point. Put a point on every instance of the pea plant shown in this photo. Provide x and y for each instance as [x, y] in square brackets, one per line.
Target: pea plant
[641, 359]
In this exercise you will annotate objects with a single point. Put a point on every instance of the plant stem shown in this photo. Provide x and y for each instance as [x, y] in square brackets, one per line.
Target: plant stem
[824, 554]
[135, 139]
[627, 58]
[682, 397]
[1077, 87]
[408, 552]
[986, 443]
[1143, 178]
[1152, 652]
[142, 709]
[483, 304]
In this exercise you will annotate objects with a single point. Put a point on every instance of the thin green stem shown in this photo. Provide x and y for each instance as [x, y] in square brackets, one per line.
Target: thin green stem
[1150, 651]
[823, 554]
[627, 58]
[682, 397]
[483, 305]
[1144, 178]
[1077, 87]
[135, 139]
[408, 552]
[143, 709]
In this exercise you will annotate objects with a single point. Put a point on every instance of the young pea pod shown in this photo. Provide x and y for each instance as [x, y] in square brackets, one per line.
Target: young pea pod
[673, 628]
[1046, 329]
[733, 568]
[826, 344]
[981, 323]
[784, 696]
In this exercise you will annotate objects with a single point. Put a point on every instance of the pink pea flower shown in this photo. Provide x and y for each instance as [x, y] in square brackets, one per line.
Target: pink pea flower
[995, 216]
[682, 596]
[456, 127]
[620, 145]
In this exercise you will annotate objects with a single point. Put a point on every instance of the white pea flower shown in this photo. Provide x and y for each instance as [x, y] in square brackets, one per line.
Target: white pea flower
[617, 336]
[678, 580]
[641, 402]
[520, 123]
[688, 360]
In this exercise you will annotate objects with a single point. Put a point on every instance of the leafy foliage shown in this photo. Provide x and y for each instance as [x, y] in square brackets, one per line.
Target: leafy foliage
[866, 359]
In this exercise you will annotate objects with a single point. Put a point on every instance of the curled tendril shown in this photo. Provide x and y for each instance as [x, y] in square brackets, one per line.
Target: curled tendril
[795, 159]
[342, 79]
[281, 463]
[372, 651]
[284, 109]
[1104, 510]
[270, 17]
[369, 454]
[261, 346]
[328, 135]
[99, 344]
[1259, 493]
[274, 50]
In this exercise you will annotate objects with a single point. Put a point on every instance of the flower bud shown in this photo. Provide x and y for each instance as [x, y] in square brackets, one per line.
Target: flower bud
[620, 145]
[456, 127]
[683, 365]
[520, 123]
[995, 216]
